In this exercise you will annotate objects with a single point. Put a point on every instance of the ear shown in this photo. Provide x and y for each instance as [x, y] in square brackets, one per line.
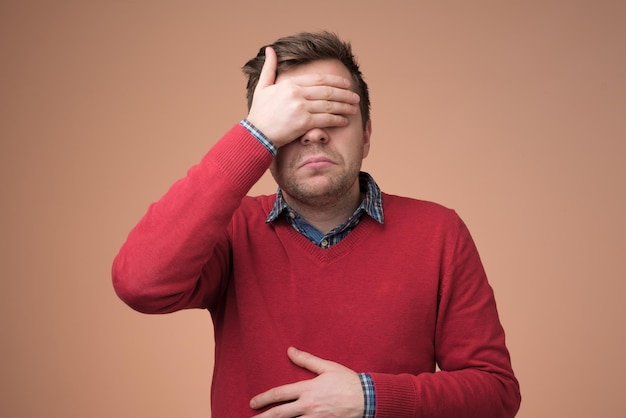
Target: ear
[367, 133]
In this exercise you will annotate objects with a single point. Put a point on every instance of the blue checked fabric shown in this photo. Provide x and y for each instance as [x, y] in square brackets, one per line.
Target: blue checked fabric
[372, 205]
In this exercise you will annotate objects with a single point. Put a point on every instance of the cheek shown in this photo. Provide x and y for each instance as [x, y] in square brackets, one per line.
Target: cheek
[279, 165]
[285, 157]
[366, 149]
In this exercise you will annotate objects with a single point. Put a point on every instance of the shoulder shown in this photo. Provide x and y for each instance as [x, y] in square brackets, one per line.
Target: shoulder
[421, 217]
[395, 205]
[424, 220]
[261, 205]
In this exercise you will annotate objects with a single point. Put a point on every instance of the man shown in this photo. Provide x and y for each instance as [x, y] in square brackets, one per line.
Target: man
[329, 298]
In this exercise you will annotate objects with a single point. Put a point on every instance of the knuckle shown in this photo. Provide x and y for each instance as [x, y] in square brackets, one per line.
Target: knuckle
[305, 121]
[276, 394]
[328, 92]
[298, 106]
[309, 405]
[293, 92]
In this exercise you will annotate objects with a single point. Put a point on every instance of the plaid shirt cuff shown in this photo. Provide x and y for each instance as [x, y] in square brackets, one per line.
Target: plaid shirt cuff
[369, 394]
[260, 136]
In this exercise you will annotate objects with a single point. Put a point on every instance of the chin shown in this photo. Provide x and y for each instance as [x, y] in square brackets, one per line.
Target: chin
[316, 193]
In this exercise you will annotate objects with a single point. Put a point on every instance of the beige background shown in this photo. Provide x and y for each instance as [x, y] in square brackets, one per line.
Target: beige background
[511, 112]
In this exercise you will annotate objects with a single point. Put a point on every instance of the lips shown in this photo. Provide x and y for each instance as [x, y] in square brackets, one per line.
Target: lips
[317, 162]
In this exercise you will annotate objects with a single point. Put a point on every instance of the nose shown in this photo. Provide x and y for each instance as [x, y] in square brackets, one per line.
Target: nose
[314, 135]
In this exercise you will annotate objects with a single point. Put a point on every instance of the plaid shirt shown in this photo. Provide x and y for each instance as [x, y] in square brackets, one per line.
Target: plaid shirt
[372, 205]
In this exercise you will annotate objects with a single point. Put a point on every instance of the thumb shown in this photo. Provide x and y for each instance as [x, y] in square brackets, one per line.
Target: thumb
[309, 361]
[268, 72]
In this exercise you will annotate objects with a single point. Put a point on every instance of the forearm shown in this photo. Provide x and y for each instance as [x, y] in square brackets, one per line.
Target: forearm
[459, 394]
[476, 377]
[160, 266]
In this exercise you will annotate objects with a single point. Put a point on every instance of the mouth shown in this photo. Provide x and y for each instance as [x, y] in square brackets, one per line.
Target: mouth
[317, 162]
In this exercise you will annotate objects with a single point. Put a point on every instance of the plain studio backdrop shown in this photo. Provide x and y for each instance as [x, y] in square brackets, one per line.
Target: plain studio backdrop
[511, 112]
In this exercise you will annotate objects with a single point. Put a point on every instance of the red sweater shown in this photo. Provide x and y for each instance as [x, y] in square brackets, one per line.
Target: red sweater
[391, 300]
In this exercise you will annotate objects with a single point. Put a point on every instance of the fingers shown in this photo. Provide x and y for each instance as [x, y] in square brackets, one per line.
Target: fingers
[268, 71]
[327, 87]
[326, 96]
[327, 104]
[292, 392]
[329, 107]
[286, 393]
[336, 389]
[287, 410]
[309, 361]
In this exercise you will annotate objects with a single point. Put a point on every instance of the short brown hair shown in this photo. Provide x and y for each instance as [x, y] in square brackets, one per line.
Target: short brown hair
[307, 47]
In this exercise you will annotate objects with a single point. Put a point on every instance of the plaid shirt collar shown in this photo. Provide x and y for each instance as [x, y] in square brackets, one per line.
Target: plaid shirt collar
[372, 204]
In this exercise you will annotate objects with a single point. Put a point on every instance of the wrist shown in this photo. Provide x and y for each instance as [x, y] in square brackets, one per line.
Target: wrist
[260, 136]
[369, 395]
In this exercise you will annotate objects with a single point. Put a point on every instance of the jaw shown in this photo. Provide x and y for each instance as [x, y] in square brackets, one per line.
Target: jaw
[321, 190]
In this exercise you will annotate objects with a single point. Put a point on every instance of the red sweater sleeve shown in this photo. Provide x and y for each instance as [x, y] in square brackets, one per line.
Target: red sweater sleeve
[476, 379]
[160, 267]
